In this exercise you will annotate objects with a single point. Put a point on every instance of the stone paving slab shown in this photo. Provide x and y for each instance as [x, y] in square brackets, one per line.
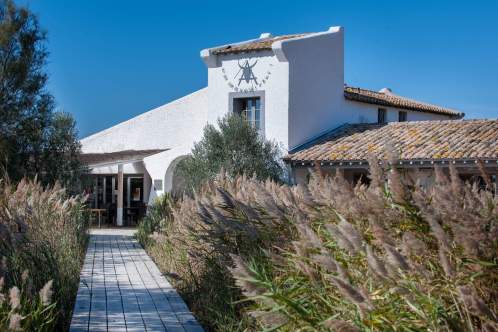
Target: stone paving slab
[121, 289]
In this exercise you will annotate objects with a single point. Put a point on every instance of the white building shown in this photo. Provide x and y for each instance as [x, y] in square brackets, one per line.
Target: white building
[291, 87]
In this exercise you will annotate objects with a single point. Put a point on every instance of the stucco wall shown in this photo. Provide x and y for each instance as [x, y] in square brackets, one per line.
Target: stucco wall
[177, 123]
[316, 83]
[301, 81]
[222, 72]
[356, 112]
[174, 126]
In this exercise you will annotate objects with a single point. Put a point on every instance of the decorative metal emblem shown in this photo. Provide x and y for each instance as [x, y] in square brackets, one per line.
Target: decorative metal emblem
[245, 73]
[246, 79]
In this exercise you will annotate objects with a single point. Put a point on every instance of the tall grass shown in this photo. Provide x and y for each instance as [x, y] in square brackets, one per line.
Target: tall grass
[42, 245]
[390, 255]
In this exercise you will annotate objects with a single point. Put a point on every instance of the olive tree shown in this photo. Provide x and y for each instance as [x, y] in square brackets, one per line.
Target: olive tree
[233, 146]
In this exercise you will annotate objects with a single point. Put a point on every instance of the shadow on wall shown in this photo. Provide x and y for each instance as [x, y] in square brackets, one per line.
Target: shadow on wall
[173, 181]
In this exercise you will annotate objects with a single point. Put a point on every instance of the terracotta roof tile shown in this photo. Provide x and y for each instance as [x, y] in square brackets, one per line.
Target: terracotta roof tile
[256, 45]
[392, 100]
[417, 140]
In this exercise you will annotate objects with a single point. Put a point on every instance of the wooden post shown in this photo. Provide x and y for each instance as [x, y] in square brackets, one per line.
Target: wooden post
[119, 212]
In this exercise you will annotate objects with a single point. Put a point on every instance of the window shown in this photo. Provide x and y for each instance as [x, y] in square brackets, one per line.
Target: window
[250, 109]
[402, 116]
[381, 115]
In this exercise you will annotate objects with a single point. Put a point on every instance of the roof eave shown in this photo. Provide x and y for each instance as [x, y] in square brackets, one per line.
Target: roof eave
[379, 102]
[363, 163]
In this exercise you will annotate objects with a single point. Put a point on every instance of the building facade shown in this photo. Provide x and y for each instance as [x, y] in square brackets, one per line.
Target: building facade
[289, 87]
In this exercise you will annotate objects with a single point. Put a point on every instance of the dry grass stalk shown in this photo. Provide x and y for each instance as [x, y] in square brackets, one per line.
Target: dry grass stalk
[446, 233]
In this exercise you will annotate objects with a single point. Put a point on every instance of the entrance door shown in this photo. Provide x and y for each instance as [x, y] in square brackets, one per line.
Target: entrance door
[133, 199]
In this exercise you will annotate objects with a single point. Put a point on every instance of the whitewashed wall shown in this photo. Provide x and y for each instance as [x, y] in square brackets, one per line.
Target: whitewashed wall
[167, 126]
[174, 126]
[316, 83]
[221, 72]
[356, 112]
[301, 82]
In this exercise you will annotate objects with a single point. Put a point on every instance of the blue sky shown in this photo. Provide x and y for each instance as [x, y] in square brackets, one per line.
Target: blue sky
[112, 60]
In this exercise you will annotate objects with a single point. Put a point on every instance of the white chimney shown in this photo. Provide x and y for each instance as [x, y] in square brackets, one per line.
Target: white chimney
[265, 35]
[386, 91]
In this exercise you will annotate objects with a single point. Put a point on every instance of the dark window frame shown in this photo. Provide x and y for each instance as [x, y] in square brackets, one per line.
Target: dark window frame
[402, 116]
[381, 116]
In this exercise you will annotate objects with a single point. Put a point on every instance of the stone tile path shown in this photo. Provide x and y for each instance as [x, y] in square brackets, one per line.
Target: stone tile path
[121, 289]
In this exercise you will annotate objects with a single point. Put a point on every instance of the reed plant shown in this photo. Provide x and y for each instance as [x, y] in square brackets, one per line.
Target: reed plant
[42, 244]
[385, 254]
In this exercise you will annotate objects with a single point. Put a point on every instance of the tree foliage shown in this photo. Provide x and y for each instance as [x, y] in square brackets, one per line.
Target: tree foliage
[234, 147]
[33, 139]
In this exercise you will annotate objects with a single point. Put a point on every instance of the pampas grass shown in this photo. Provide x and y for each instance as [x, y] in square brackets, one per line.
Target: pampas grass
[331, 255]
[42, 246]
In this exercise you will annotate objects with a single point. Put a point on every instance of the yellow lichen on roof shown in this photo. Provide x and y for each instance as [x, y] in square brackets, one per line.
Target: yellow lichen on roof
[462, 139]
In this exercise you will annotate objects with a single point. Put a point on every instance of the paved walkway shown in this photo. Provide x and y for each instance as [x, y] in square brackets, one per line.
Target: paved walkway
[121, 289]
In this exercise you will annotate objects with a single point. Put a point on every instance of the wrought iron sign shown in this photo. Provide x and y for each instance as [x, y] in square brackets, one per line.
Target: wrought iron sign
[248, 76]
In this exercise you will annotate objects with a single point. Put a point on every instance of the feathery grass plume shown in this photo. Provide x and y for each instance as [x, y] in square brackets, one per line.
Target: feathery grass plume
[15, 322]
[302, 254]
[304, 194]
[203, 213]
[24, 276]
[438, 232]
[46, 293]
[474, 302]
[325, 262]
[376, 173]
[412, 245]
[456, 183]
[337, 325]
[396, 184]
[15, 298]
[5, 268]
[489, 326]
[378, 232]
[308, 237]
[375, 265]
[354, 295]
[276, 259]
[341, 240]
[46, 234]
[445, 263]
[227, 198]
[298, 283]
[484, 174]
[269, 319]
[350, 233]
[244, 278]
[395, 258]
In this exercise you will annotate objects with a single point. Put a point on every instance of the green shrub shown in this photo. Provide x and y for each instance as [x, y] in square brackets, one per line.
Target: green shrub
[158, 214]
[233, 147]
[43, 234]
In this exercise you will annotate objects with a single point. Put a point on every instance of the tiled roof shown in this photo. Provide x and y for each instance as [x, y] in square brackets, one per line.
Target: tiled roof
[99, 159]
[389, 99]
[255, 45]
[417, 140]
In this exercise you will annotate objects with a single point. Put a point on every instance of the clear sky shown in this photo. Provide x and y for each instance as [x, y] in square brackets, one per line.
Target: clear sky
[112, 60]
